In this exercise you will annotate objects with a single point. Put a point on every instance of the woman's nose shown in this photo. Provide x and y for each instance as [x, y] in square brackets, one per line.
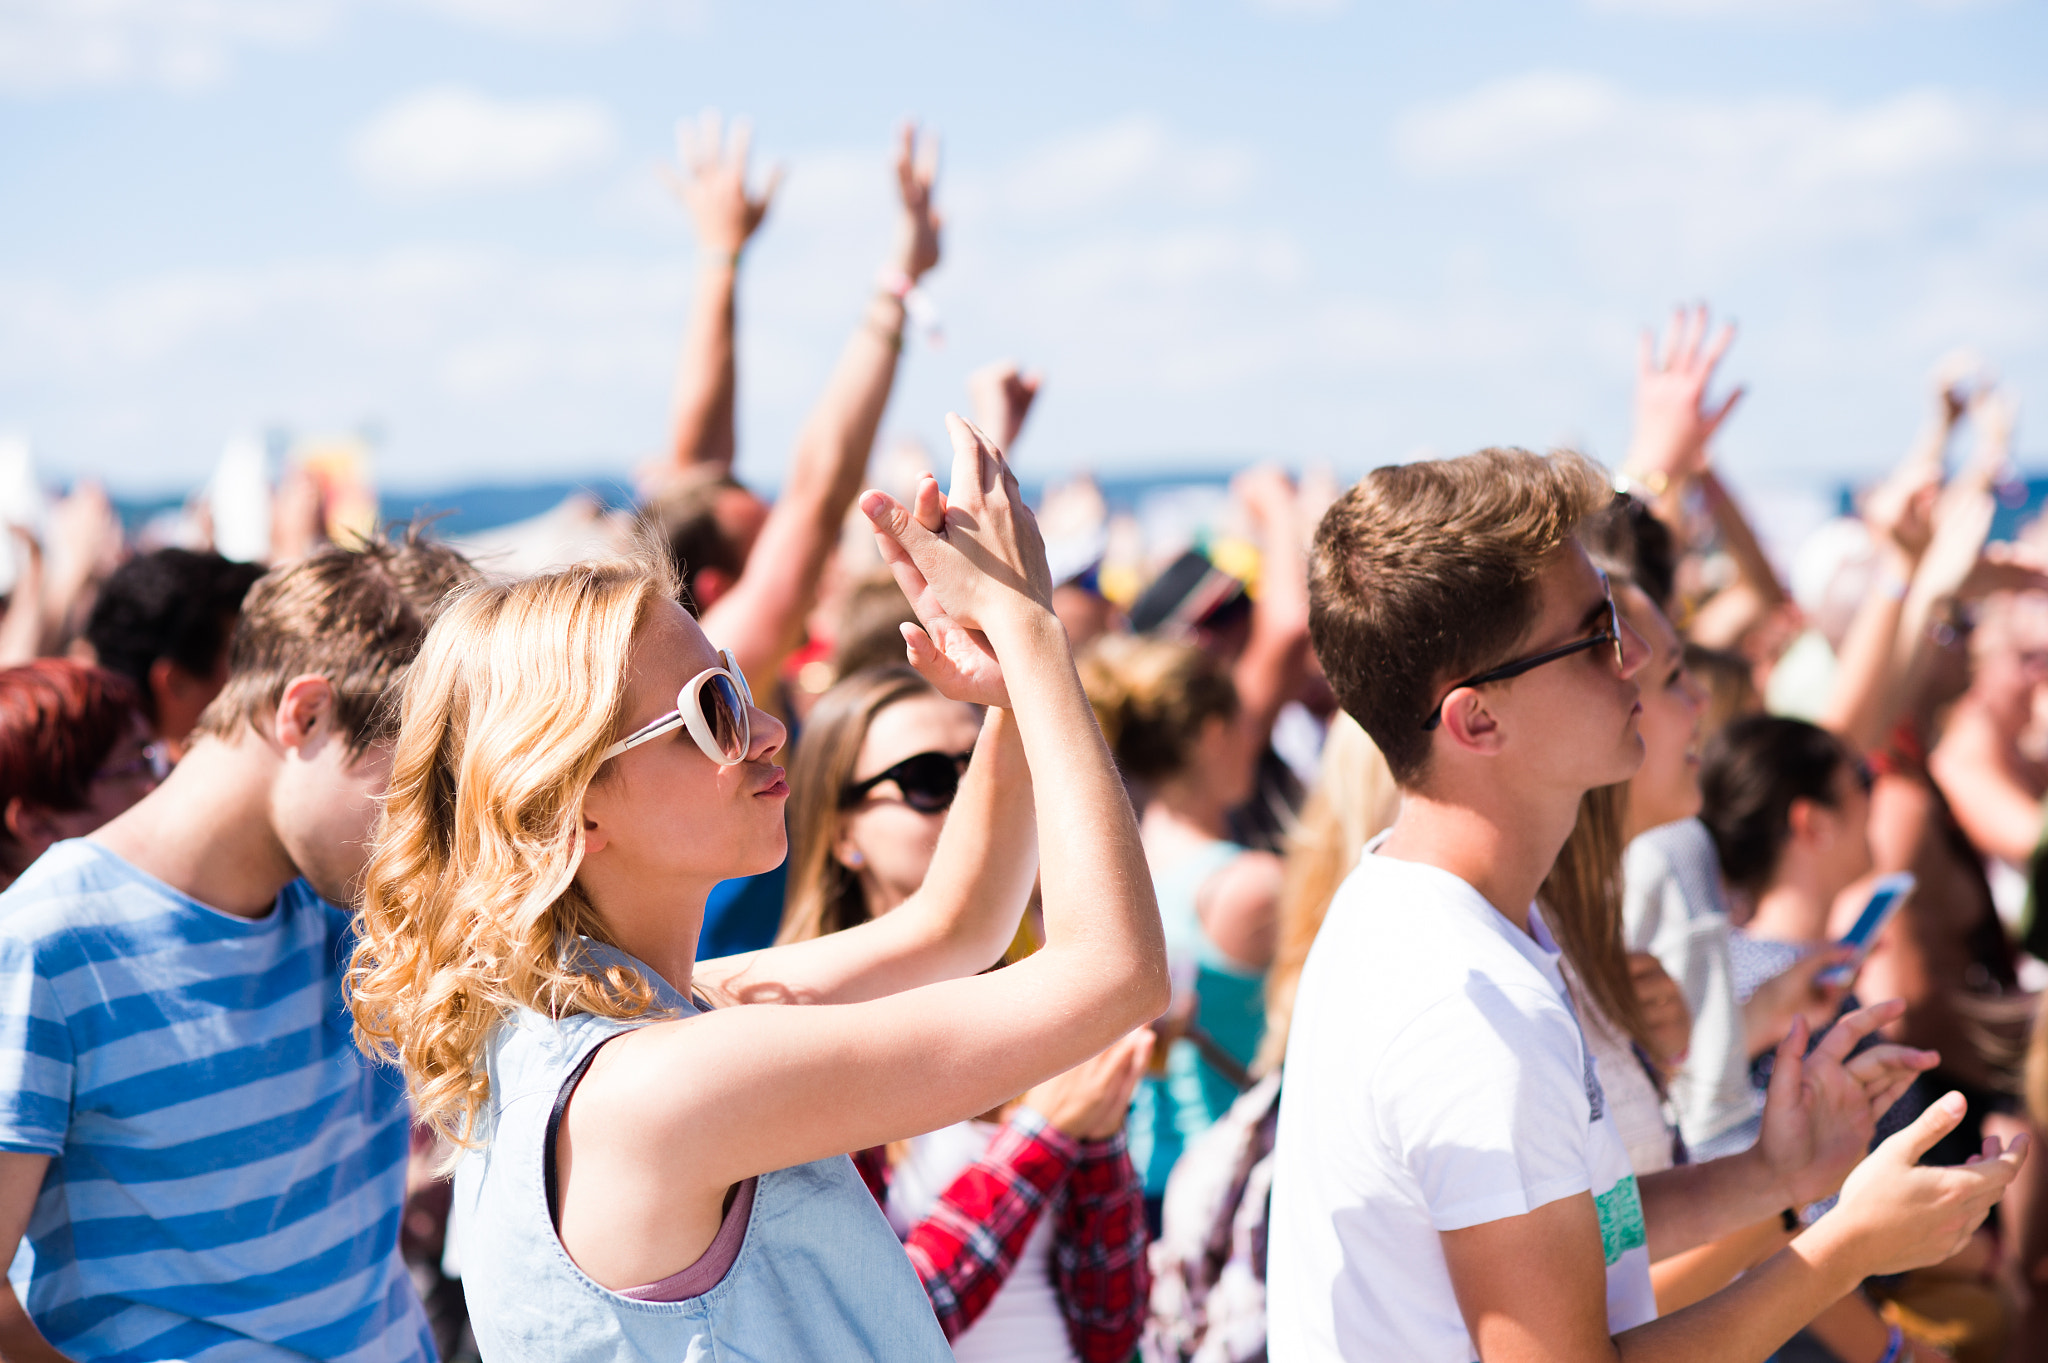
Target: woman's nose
[768, 734]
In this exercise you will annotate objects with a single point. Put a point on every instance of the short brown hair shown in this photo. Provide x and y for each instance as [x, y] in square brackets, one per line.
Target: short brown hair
[1426, 572]
[686, 509]
[354, 616]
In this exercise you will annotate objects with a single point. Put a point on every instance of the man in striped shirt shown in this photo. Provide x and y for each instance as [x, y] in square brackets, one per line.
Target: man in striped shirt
[203, 1165]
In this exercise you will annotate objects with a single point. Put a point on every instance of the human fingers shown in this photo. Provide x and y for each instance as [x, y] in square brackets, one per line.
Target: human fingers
[1851, 1028]
[906, 151]
[1940, 1118]
[1667, 353]
[1718, 346]
[741, 141]
[929, 505]
[1689, 341]
[973, 467]
[918, 647]
[894, 527]
[1720, 414]
[1788, 1071]
[768, 188]
[928, 161]
[1879, 1064]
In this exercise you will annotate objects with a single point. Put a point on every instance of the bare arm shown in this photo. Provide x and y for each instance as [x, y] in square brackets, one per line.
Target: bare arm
[21, 1179]
[1696, 1274]
[1998, 813]
[761, 618]
[646, 1160]
[713, 186]
[1532, 1288]
[958, 921]
[1276, 656]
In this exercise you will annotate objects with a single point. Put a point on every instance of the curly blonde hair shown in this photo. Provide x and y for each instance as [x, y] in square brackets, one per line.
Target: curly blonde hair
[470, 906]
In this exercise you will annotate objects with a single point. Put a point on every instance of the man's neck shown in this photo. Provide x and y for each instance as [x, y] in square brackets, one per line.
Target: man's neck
[1501, 847]
[207, 830]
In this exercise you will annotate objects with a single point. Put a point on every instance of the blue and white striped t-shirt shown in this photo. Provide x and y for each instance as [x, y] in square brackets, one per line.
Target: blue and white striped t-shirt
[227, 1171]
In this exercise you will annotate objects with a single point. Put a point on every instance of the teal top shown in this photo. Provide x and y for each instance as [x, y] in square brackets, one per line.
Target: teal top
[1230, 1005]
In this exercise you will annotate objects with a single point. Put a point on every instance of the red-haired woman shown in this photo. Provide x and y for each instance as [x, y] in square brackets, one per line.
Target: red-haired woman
[74, 752]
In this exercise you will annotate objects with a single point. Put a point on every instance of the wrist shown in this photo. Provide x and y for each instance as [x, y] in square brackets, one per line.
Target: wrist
[1646, 483]
[1838, 1250]
[1025, 627]
[711, 257]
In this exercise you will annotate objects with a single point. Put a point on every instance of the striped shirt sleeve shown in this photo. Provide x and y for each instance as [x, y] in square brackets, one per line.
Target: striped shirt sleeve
[35, 1056]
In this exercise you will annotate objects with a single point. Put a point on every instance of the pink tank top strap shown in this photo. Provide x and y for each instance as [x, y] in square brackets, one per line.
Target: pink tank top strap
[716, 1262]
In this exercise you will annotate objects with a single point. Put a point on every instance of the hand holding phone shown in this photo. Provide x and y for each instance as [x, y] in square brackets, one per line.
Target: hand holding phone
[1887, 897]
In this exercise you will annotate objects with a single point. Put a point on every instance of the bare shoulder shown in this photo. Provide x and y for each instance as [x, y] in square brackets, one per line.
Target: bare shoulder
[1239, 908]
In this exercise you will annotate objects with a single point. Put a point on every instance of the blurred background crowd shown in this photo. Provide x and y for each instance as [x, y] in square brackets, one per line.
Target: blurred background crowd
[1886, 600]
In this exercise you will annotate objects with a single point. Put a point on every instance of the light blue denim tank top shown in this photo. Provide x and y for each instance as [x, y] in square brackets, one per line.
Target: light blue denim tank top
[819, 1274]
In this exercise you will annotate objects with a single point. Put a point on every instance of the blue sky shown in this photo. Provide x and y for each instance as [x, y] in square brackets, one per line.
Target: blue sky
[1318, 232]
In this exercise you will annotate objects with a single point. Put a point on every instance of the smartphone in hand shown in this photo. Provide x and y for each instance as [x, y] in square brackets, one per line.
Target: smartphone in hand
[1887, 896]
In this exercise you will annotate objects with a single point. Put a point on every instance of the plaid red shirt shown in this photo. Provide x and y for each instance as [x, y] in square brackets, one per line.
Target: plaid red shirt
[964, 1250]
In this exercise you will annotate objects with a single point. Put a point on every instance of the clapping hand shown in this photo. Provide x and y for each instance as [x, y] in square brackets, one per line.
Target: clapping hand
[1822, 1109]
[966, 562]
[713, 182]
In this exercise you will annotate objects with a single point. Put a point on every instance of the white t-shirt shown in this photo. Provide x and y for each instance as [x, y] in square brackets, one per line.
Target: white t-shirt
[1436, 1079]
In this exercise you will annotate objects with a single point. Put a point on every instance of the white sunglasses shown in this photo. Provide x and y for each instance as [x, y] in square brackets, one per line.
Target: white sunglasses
[713, 705]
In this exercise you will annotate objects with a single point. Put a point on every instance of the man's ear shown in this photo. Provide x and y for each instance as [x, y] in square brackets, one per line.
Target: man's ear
[1470, 724]
[304, 710]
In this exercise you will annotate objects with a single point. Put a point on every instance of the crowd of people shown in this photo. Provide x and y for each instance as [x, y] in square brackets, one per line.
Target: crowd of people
[1416, 927]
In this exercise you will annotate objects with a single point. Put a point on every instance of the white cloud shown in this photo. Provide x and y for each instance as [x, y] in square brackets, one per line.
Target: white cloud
[1774, 9]
[450, 140]
[1713, 183]
[1136, 158]
[48, 45]
[570, 18]
[59, 44]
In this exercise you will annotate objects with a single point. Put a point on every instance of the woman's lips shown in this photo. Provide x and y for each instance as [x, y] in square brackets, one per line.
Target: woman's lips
[775, 789]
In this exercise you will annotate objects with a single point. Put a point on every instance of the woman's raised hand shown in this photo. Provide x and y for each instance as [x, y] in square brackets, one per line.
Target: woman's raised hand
[970, 563]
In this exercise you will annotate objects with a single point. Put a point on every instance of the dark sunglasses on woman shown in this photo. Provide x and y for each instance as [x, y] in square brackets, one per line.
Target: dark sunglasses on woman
[928, 780]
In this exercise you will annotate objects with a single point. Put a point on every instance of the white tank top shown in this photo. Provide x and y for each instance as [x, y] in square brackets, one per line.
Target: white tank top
[1023, 1322]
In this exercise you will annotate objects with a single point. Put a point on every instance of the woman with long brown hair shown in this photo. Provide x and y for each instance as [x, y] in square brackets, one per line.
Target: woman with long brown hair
[1025, 1223]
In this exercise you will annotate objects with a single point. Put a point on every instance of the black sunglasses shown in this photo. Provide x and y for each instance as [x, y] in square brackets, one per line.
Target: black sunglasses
[1612, 634]
[928, 780]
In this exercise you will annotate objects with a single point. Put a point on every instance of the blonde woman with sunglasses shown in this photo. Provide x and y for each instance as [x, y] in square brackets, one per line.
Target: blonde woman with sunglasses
[655, 1151]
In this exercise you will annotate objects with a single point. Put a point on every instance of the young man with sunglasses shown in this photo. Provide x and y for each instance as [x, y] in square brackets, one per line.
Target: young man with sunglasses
[202, 1163]
[1448, 1184]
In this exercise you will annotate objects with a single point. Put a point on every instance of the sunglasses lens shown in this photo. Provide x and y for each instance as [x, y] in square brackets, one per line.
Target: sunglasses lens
[725, 715]
[928, 781]
[732, 665]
